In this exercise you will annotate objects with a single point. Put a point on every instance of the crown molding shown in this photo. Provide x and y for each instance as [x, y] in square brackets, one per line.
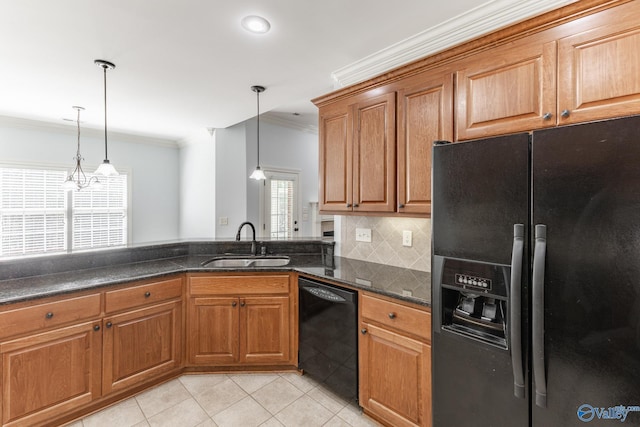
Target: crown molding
[292, 124]
[488, 17]
[20, 123]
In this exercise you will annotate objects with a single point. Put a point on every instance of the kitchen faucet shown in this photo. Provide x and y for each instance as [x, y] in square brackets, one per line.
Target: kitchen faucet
[253, 240]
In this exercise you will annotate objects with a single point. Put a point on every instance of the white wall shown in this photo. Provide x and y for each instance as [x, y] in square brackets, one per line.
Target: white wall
[197, 186]
[153, 165]
[284, 148]
[231, 179]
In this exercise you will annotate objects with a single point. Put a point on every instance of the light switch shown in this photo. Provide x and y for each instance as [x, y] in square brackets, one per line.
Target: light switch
[363, 235]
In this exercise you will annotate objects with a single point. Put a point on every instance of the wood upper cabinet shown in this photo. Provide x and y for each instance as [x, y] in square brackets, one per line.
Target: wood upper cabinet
[395, 362]
[241, 319]
[424, 115]
[358, 154]
[46, 374]
[599, 67]
[141, 344]
[511, 88]
[335, 131]
[374, 153]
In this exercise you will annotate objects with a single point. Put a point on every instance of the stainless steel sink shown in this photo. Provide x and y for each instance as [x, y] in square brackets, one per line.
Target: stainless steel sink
[248, 261]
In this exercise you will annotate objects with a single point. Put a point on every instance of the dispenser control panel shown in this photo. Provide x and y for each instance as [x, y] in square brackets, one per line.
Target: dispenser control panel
[478, 282]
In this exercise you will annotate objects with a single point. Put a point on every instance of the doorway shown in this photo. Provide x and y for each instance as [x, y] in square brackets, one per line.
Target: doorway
[279, 211]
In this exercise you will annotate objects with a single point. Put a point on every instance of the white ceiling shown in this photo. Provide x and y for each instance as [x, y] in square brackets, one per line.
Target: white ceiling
[182, 66]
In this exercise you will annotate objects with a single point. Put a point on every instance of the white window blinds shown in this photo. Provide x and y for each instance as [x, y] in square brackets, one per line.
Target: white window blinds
[37, 216]
[100, 216]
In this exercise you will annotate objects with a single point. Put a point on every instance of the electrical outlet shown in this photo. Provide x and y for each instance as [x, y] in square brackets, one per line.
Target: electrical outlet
[407, 238]
[363, 235]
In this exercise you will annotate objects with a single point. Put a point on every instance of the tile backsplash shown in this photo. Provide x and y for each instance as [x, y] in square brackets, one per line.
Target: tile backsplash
[386, 241]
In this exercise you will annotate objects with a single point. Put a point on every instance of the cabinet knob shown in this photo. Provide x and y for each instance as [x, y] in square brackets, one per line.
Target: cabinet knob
[109, 324]
[242, 304]
[565, 113]
[348, 205]
[147, 294]
[49, 315]
[547, 116]
[355, 205]
[400, 205]
[392, 315]
[233, 304]
[363, 331]
[96, 328]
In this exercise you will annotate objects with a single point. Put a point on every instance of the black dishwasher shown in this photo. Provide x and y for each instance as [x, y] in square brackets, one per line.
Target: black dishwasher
[328, 336]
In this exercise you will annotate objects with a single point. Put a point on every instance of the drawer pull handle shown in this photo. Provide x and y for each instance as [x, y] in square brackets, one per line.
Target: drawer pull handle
[233, 304]
[96, 328]
[147, 294]
[392, 315]
[109, 324]
[363, 331]
[49, 315]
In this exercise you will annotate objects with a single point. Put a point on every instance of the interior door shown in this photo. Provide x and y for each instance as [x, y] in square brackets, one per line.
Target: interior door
[280, 205]
[586, 191]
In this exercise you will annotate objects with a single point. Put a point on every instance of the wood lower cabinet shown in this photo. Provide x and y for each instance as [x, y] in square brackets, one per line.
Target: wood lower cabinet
[141, 345]
[395, 362]
[47, 374]
[241, 320]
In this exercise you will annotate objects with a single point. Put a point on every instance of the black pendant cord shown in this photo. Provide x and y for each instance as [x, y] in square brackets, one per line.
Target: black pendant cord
[258, 126]
[104, 69]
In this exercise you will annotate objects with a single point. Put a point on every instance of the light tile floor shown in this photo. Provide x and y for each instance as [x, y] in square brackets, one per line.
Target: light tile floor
[233, 400]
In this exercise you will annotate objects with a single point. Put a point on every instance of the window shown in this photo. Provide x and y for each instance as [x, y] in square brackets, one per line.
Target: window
[38, 217]
[280, 205]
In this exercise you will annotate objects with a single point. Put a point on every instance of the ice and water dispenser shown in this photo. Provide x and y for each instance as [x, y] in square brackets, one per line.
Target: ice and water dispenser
[474, 299]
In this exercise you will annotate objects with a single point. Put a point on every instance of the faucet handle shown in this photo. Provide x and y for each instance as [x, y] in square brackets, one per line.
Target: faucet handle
[263, 250]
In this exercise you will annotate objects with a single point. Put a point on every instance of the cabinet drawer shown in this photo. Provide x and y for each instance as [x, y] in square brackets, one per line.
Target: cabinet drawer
[136, 296]
[239, 285]
[42, 316]
[400, 317]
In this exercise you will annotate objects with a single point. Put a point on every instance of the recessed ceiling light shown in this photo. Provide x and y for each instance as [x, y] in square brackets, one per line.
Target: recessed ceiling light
[255, 24]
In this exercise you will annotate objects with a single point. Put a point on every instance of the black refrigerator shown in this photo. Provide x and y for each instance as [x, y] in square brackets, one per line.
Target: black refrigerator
[536, 278]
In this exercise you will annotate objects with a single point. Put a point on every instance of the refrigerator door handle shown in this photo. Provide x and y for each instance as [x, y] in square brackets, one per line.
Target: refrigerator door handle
[515, 318]
[537, 280]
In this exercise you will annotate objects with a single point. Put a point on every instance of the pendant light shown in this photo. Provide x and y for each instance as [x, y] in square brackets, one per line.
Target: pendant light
[258, 174]
[77, 180]
[106, 168]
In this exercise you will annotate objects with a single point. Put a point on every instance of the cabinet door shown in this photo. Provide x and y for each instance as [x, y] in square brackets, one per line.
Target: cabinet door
[48, 374]
[141, 345]
[335, 158]
[425, 114]
[265, 330]
[508, 89]
[598, 69]
[213, 331]
[374, 154]
[395, 377]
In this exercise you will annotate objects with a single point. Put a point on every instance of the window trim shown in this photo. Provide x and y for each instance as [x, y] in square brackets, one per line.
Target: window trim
[273, 173]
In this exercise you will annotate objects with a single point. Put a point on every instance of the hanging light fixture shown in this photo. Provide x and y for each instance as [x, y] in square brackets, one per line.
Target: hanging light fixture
[106, 168]
[258, 174]
[77, 180]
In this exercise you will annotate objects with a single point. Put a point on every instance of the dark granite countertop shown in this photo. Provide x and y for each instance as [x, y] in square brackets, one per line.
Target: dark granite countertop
[405, 284]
